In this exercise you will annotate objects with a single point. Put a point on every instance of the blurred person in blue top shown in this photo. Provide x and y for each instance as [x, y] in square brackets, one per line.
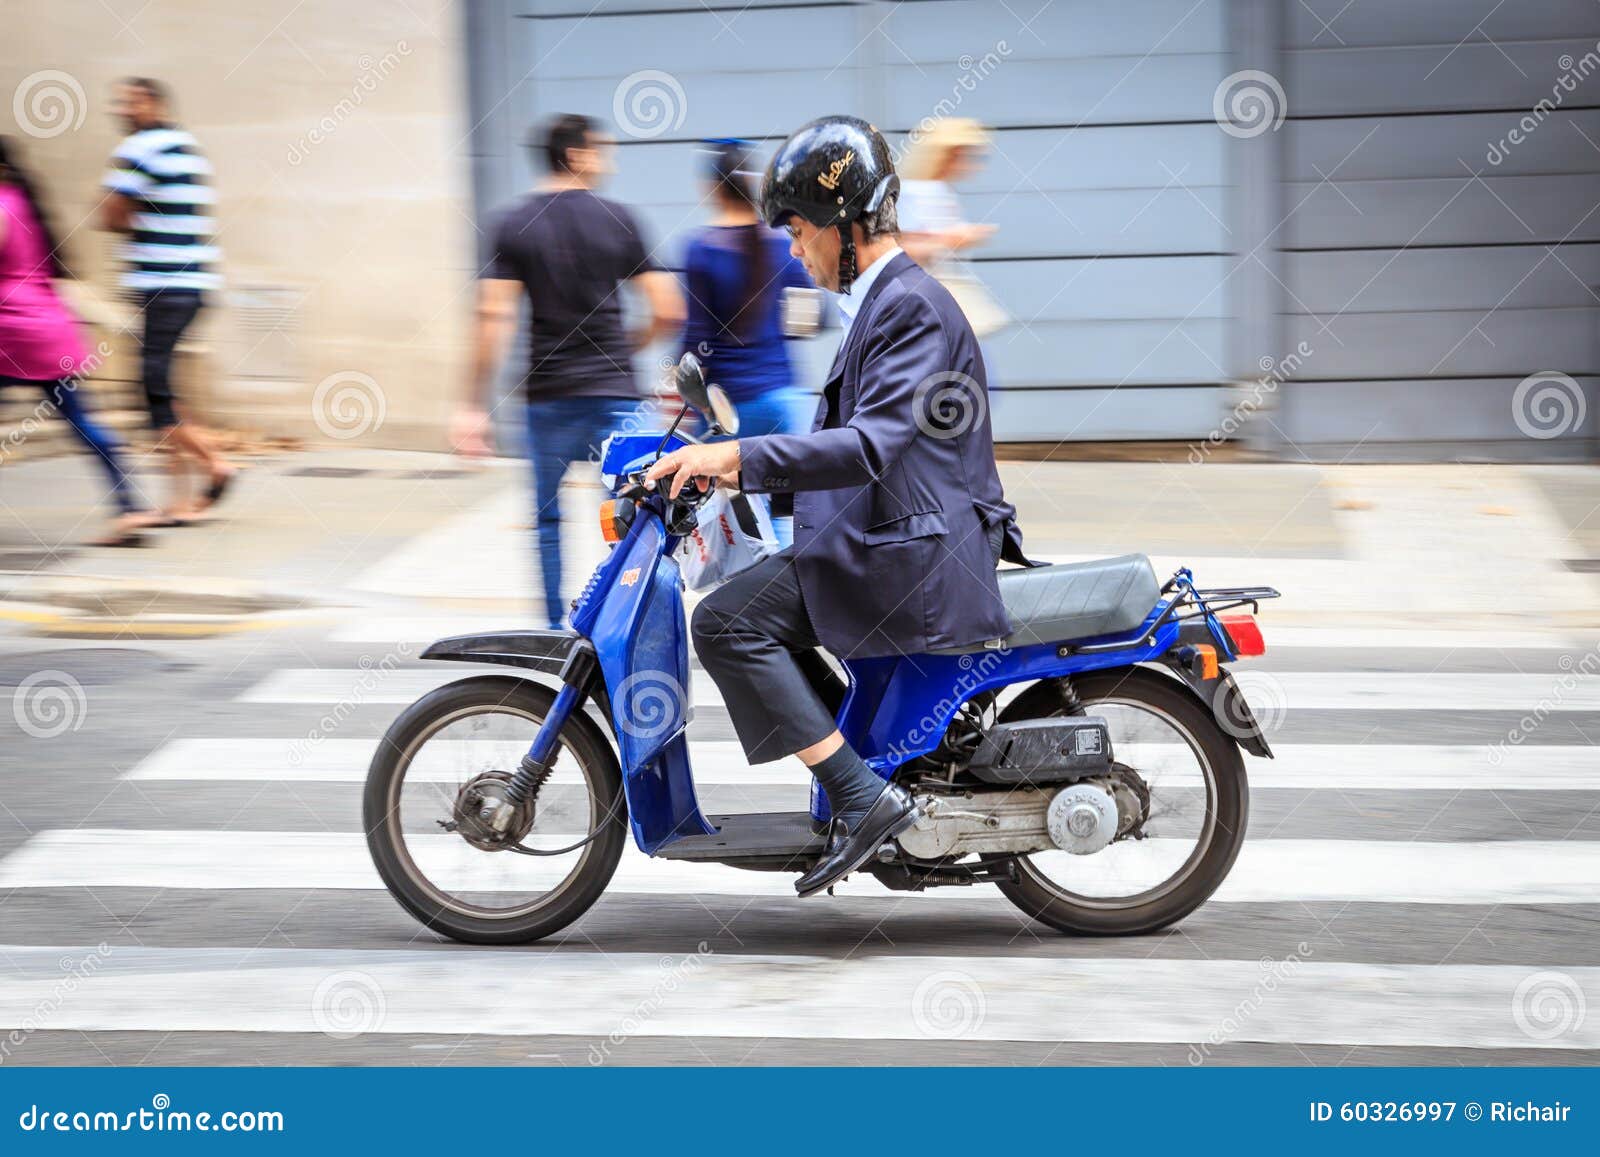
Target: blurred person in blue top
[738, 272]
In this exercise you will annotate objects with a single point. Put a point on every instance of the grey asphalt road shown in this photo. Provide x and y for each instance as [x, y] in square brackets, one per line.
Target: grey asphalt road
[140, 697]
[1403, 898]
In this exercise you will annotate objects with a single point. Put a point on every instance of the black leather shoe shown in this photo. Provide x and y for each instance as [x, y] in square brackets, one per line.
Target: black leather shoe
[854, 844]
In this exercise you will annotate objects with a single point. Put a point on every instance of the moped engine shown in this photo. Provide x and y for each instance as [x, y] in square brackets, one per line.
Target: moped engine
[1081, 818]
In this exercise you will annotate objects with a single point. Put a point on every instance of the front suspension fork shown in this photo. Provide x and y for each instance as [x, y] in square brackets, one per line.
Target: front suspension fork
[541, 755]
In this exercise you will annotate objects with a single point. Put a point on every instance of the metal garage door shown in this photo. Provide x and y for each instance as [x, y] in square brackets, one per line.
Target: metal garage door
[1439, 250]
[1108, 178]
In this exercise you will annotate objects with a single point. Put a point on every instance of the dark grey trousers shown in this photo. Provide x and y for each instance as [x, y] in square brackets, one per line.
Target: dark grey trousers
[747, 633]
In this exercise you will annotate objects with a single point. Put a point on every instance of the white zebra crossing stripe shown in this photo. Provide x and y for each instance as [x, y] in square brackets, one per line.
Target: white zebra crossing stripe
[1350, 767]
[1374, 871]
[346, 760]
[333, 687]
[611, 996]
[420, 630]
[1268, 692]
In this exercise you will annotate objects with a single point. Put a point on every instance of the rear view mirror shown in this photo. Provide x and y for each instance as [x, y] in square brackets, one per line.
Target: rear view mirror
[711, 402]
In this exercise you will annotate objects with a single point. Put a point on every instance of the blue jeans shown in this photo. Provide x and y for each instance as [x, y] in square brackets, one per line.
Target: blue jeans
[562, 431]
[64, 395]
[785, 411]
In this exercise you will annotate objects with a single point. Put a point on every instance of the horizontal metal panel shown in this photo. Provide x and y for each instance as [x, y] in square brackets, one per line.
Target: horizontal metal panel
[1096, 415]
[1330, 23]
[1155, 287]
[1107, 352]
[1443, 210]
[1481, 279]
[692, 107]
[622, 9]
[1437, 146]
[692, 40]
[1130, 164]
[1111, 221]
[1424, 410]
[1058, 30]
[1108, 90]
[1391, 345]
[1116, 223]
[1434, 77]
[1137, 157]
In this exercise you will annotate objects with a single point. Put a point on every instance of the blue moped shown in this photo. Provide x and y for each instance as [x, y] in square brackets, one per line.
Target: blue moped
[1087, 765]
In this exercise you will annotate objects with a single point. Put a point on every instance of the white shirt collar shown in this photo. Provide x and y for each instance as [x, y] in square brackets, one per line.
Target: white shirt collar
[850, 303]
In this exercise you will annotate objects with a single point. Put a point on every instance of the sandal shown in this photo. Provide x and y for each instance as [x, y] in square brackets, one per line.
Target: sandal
[218, 487]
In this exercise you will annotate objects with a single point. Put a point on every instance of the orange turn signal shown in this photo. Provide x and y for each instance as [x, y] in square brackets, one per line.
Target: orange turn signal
[611, 527]
[1208, 660]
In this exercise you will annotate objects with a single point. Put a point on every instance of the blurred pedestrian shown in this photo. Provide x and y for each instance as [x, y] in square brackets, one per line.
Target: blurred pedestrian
[158, 194]
[39, 340]
[933, 229]
[738, 271]
[569, 250]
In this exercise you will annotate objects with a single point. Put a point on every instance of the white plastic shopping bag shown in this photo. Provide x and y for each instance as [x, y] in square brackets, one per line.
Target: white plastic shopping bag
[734, 533]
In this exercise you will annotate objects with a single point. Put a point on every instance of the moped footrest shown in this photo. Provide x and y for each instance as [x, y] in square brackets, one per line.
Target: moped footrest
[751, 836]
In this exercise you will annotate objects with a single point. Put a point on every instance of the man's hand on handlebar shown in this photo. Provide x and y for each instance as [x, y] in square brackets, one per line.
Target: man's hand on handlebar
[707, 464]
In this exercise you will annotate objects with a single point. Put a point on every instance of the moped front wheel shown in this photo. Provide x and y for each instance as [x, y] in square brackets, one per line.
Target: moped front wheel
[449, 752]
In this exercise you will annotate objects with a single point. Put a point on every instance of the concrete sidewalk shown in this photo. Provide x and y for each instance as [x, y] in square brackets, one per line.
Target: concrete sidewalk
[1424, 547]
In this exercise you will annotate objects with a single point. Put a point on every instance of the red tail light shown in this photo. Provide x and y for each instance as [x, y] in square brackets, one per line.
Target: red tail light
[1246, 635]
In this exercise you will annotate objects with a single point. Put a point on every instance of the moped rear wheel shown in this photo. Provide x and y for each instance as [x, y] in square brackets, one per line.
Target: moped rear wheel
[1199, 803]
[443, 754]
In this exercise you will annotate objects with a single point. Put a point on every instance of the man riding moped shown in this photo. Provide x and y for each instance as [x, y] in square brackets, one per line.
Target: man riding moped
[900, 517]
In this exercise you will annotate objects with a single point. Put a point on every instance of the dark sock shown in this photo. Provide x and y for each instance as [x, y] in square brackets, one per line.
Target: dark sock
[851, 785]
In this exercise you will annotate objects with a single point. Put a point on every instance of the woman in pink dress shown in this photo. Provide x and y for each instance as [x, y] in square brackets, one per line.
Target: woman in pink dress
[39, 340]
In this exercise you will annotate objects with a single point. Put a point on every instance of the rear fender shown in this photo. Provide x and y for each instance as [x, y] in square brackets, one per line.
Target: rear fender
[1228, 706]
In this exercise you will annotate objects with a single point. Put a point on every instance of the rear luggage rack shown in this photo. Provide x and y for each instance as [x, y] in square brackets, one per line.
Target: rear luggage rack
[1192, 603]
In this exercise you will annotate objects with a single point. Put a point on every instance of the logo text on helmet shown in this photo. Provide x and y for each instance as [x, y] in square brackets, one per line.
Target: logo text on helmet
[830, 179]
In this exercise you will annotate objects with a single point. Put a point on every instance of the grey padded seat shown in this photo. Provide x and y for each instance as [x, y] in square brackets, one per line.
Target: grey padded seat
[1077, 600]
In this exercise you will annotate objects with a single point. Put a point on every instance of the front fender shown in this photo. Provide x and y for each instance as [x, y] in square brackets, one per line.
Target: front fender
[558, 653]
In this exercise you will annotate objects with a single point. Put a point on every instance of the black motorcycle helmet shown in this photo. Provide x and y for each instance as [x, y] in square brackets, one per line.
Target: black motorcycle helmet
[833, 171]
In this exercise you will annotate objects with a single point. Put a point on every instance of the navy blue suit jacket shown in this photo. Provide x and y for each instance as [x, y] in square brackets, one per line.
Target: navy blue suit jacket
[896, 495]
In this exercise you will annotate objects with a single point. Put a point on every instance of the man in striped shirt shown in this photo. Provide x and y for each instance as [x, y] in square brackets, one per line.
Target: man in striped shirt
[159, 196]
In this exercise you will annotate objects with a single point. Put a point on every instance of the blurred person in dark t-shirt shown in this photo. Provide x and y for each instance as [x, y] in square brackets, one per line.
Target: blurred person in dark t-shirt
[569, 250]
